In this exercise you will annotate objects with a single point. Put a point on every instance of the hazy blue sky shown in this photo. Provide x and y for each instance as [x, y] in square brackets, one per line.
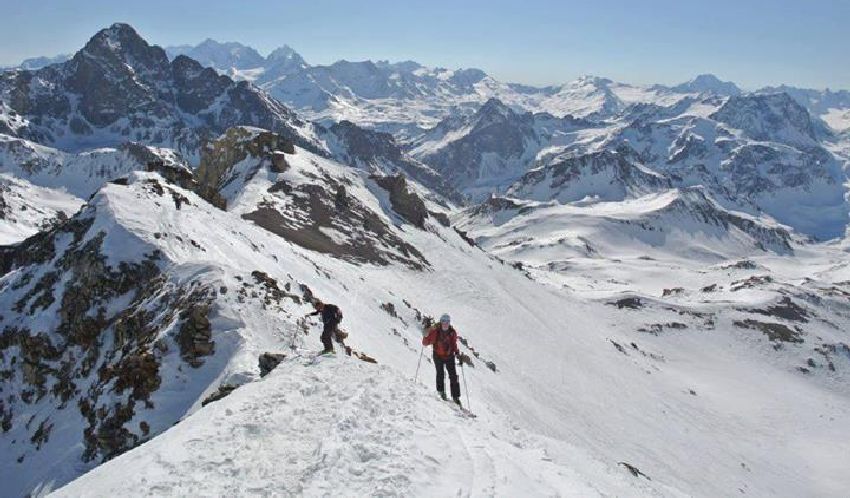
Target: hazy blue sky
[753, 42]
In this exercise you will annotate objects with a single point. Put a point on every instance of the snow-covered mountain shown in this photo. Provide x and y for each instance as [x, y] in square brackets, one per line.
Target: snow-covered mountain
[119, 88]
[210, 53]
[80, 174]
[485, 151]
[26, 209]
[708, 84]
[830, 106]
[133, 315]
[40, 62]
[642, 309]
[757, 153]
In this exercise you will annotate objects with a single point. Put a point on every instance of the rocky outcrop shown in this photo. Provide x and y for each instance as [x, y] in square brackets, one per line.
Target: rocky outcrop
[404, 201]
[270, 361]
[222, 160]
[222, 392]
[380, 153]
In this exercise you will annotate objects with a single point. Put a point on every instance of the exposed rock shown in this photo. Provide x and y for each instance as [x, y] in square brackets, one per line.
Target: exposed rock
[619, 347]
[269, 361]
[404, 201]
[222, 391]
[465, 236]
[220, 157]
[785, 309]
[744, 264]
[776, 332]
[633, 303]
[374, 150]
[751, 282]
[676, 291]
[310, 213]
[390, 309]
[442, 218]
[195, 336]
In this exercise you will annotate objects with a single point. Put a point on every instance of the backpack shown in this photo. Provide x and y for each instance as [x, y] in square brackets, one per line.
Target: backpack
[337, 313]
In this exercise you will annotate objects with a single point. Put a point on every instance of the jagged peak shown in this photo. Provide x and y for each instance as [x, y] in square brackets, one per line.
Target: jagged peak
[115, 36]
[284, 52]
[494, 108]
[122, 42]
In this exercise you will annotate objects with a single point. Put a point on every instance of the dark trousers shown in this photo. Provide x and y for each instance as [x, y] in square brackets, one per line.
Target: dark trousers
[442, 365]
[327, 335]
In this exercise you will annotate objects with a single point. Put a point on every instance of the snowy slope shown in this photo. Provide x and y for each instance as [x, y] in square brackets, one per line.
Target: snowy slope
[80, 174]
[345, 428]
[558, 376]
[26, 209]
[670, 225]
[642, 315]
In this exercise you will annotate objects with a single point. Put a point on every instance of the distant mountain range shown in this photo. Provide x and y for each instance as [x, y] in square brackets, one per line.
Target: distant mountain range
[367, 92]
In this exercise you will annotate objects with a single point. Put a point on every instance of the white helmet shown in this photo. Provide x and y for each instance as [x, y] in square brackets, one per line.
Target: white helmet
[446, 319]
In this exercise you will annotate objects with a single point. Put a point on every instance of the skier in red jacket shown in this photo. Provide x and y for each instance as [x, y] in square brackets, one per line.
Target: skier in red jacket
[444, 339]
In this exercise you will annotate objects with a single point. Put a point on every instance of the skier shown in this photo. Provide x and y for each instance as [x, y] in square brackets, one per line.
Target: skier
[331, 316]
[444, 339]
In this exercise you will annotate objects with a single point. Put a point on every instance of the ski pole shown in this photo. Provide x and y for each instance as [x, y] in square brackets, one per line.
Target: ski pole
[421, 350]
[466, 389]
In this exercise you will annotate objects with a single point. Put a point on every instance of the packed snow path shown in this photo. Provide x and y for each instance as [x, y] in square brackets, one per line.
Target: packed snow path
[337, 428]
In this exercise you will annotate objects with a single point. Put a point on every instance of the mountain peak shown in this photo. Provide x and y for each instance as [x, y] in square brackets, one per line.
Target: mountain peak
[708, 83]
[220, 55]
[494, 108]
[287, 56]
[116, 38]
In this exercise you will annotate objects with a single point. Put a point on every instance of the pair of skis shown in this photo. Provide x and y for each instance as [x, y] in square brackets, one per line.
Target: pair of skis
[460, 409]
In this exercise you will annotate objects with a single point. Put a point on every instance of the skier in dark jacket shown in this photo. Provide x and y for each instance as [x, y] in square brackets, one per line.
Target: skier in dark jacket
[444, 339]
[331, 316]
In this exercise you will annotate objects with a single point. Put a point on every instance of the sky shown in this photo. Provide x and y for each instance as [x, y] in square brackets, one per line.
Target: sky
[752, 42]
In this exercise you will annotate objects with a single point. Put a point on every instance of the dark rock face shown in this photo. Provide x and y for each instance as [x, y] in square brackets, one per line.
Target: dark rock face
[404, 201]
[218, 157]
[776, 332]
[560, 179]
[633, 303]
[373, 150]
[270, 361]
[119, 88]
[195, 336]
[367, 239]
[222, 392]
[764, 117]
[305, 212]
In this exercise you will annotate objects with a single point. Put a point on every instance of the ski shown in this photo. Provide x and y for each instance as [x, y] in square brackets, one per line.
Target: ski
[462, 410]
[320, 357]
